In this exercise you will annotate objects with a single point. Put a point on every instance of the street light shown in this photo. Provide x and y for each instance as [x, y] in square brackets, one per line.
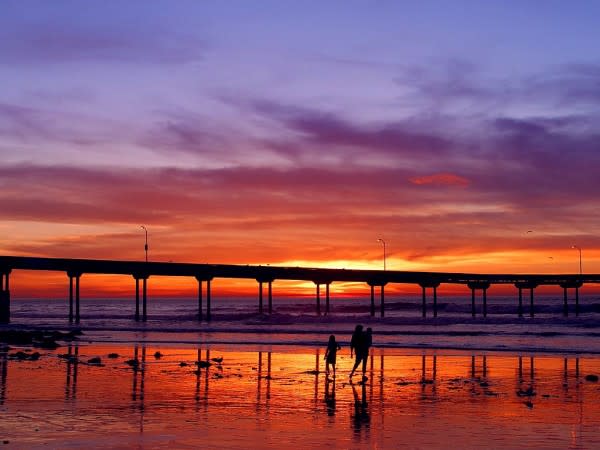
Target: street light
[146, 244]
[578, 248]
[383, 242]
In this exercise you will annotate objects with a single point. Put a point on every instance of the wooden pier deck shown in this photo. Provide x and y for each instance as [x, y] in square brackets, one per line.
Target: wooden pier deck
[205, 273]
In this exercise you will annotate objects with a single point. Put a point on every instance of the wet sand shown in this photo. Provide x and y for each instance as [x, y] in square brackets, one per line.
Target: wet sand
[279, 398]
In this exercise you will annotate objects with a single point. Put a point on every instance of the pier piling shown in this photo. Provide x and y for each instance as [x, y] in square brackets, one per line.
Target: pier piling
[318, 299]
[260, 297]
[531, 285]
[270, 294]
[531, 311]
[144, 299]
[372, 300]
[208, 298]
[485, 301]
[137, 299]
[382, 300]
[199, 298]
[70, 298]
[4, 297]
[483, 285]
[74, 275]
[429, 284]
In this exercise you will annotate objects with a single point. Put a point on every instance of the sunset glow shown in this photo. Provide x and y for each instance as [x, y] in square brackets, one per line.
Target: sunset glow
[298, 137]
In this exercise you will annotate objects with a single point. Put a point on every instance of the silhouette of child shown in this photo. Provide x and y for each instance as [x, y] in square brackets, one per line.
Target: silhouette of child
[331, 353]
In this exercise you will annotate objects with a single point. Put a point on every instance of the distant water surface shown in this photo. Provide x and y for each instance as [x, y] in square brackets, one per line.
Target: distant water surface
[294, 322]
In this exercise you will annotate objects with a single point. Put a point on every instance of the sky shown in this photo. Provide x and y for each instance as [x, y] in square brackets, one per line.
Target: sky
[462, 133]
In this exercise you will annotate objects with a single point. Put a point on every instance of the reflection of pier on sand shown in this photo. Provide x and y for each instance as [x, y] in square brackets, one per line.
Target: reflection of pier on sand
[142, 388]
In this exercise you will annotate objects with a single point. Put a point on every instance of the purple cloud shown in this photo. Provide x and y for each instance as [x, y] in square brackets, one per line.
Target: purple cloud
[54, 43]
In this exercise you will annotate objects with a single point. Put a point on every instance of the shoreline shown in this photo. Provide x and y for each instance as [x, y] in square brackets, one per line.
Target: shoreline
[217, 339]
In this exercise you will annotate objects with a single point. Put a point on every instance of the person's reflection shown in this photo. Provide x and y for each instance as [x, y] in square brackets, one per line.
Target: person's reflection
[330, 396]
[360, 417]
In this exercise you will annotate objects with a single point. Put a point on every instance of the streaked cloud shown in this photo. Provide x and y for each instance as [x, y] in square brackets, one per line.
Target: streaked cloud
[445, 179]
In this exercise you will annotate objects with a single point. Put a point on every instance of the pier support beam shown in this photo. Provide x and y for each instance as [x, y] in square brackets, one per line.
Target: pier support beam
[318, 298]
[484, 286]
[145, 299]
[381, 283]
[531, 311]
[5, 296]
[485, 303]
[270, 294]
[318, 282]
[199, 299]
[269, 282]
[434, 285]
[570, 285]
[208, 300]
[144, 279]
[200, 279]
[526, 285]
[74, 275]
[260, 297]
[137, 299]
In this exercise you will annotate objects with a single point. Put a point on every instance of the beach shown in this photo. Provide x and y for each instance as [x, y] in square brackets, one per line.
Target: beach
[259, 383]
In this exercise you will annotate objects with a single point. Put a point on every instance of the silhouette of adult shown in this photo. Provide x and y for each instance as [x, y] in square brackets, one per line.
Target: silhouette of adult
[359, 346]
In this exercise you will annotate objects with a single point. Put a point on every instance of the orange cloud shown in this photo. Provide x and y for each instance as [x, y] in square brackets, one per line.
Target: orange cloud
[446, 179]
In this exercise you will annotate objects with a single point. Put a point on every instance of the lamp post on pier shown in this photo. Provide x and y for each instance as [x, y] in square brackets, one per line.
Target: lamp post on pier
[383, 242]
[146, 242]
[580, 267]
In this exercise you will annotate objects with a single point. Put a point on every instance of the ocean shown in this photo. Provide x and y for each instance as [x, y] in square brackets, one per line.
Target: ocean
[294, 321]
[249, 380]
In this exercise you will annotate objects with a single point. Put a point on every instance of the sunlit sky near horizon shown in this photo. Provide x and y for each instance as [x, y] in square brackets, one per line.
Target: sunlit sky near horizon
[279, 132]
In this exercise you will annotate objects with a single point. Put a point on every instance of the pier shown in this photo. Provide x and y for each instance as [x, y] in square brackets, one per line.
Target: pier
[205, 273]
